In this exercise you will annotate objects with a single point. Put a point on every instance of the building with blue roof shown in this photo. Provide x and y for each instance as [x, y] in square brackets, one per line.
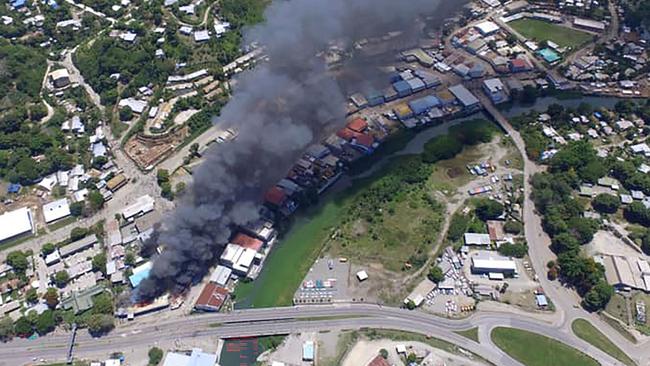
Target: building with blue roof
[14, 188]
[308, 351]
[402, 88]
[375, 98]
[549, 55]
[423, 105]
[18, 4]
[416, 85]
[140, 274]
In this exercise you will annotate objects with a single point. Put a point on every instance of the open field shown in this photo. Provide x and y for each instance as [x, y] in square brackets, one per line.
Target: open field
[389, 231]
[539, 31]
[587, 332]
[536, 350]
[616, 307]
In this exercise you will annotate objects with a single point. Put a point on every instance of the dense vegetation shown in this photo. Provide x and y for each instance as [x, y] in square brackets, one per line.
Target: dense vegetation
[563, 220]
[22, 70]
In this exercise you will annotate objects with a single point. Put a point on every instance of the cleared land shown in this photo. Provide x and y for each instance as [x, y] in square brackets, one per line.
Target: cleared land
[587, 332]
[536, 350]
[390, 224]
[539, 31]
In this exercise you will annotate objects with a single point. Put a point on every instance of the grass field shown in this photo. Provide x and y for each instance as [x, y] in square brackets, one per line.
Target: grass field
[470, 333]
[616, 307]
[536, 350]
[400, 230]
[539, 31]
[587, 332]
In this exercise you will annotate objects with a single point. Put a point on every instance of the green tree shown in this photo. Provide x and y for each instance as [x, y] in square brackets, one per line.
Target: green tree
[194, 150]
[6, 329]
[103, 304]
[411, 358]
[166, 191]
[126, 113]
[99, 324]
[598, 297]
[129, 259]
[99, 263]
[61, 278]
[162, 176]
[435, 274]
[48, 248]
[513, 227]
[565, 242]
[440, 148]
[95, 200]
[383, 353]
[180, 188]
[45, 322]
[513, 250]
[31, 296]
[645, 244]
[78, 233]
[51, 297]
[410, 305]
[18, 260]
[77, 209]
[23, 327]
[155, 356]
[487, 209]
[606, 203]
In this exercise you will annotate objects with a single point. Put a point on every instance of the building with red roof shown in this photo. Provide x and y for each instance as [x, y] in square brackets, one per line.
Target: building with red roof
[378, 361]
[211, 298]
[519, 65]
[358, 125]
[275, 196]
[346, 134]
[248, 242]
[365, 140]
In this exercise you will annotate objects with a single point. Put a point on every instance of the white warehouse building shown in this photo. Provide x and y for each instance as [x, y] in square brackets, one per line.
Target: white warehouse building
[484, 262]
[15, 223]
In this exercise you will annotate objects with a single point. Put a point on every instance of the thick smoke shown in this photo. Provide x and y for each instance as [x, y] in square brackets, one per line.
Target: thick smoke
[280, 108]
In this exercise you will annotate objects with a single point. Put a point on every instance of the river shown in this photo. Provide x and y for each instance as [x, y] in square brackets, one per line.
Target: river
[304, 240]
[310, 223]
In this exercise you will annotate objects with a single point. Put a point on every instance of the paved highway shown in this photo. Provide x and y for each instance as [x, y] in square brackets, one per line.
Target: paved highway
[291, 320]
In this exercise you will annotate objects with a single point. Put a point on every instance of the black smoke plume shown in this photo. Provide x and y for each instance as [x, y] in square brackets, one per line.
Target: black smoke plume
[279, 108]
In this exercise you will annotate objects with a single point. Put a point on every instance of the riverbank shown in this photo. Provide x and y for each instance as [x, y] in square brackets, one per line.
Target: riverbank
[293, 256]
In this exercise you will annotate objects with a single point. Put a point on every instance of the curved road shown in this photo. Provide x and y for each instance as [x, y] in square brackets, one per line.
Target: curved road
[297, 319]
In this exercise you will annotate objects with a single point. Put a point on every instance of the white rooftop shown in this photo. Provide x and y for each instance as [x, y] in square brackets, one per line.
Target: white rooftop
[200, 36]
[487, 27]
[56, 210]
[477, 239]
[15, 222]
[143, 205]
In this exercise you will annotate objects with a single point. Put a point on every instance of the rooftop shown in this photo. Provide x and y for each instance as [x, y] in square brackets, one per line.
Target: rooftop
[15, 222]
[211, 298]
[56, 210]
